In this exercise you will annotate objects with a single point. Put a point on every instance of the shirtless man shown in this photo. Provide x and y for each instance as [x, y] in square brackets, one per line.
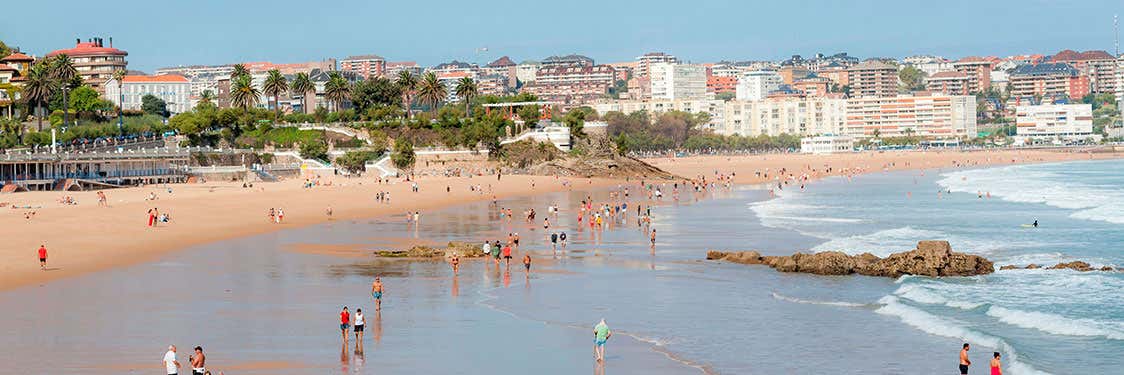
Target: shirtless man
[376, 293]
[197, 362]
[456, 262]
[964, 362]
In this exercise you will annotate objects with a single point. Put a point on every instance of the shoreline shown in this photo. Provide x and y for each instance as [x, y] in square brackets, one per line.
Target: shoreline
[85, 238]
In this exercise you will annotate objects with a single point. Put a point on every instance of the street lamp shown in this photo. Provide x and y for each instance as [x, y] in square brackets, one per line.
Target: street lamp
[65, 106]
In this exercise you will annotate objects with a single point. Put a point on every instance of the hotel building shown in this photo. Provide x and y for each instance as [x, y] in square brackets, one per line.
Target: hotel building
[1054, 121]
[173, 89]
[930, 116]
[94, 61]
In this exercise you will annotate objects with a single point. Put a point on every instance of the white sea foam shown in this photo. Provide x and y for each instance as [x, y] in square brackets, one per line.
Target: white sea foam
[923, 294]
[813, 302]
[935, 325]
[1057, 324]
[880, 243]
[1031, 184]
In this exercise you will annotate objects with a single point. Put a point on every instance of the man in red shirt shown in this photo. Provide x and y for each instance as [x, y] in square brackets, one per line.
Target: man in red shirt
[43, 257]
[345, 321]
[507, 255]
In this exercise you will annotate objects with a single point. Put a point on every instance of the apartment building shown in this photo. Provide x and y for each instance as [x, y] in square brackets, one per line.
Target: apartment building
[1048, 79]
[644, 63]
[721, 84]
[366, 66]
[978, 70]
[502, 67]
[931, 116]
[757, 85]
[1054, 121]
[873, 78]
[394, 68]
[677, 81]
[784, 115]
[575, 83]
[526, 71]
[94, 62]
[655, 107]
[173, 89]
[1099, 66]
[950, 83]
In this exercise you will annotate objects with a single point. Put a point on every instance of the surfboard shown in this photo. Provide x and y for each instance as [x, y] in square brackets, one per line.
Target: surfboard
[1027, 225]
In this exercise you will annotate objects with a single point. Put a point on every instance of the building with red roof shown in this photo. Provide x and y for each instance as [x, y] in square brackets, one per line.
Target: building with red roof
[1098, 66]
[94, 61]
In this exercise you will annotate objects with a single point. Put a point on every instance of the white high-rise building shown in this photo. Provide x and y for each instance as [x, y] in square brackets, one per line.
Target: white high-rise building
[788, 115]
[673, 81]
[644, 63]
[936, 116]
[756, 85]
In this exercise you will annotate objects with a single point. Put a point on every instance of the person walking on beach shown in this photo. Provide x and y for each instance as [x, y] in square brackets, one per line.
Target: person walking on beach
[554, 241]
[601, 334]
[562, 239]
[496, 253]
[280, 215]
[995, 365]
[653, 237]
[456, 263]
[964, 361]
[359, 324]
[376, 293]
[170, 362]
[527, 264]
[507, 255]
[345, 322]
[198, 362]
[43, 257]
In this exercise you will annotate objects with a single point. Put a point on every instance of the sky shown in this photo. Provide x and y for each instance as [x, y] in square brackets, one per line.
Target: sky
[161, 33]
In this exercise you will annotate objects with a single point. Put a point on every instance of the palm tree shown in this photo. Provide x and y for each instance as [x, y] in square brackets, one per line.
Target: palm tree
[62, 69]
[431, 91]
[303, 84]
[466, 89]
[39, 88]
[239, 70]
[274, 85]
[408, 83]
[337, 89]
[207, 97]
[119, 77]
[243, 94]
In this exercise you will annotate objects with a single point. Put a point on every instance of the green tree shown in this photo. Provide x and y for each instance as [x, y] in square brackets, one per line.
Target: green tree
[243, 94]
[275, 84]
[376, 92]
[431, 91]
[303, 85]
[575, 120]
[529, 114]
[62, 71]
[4, 50]
[355, 161]
[206, 99]
[912, 79]
[337, 89]
[408, 84]
[403, 156]
[314, 149]
[153, 105]
[119, 77]
[39, 88]
[466, 90]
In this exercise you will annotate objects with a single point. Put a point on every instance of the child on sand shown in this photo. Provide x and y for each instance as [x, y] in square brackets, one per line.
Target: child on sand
[43, 257]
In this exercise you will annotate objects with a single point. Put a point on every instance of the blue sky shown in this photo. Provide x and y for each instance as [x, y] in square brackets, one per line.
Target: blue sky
[164, 33]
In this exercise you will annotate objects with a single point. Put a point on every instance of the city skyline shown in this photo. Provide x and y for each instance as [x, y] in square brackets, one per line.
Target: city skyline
[707, 31]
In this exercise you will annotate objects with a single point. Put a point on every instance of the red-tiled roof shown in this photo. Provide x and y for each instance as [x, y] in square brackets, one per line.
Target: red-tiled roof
[165, 78]
[1071, 55]
[501, 62]
[87, 49]
[17, 57]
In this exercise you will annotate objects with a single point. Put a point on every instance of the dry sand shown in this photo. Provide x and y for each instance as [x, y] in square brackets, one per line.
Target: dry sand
[85, 238]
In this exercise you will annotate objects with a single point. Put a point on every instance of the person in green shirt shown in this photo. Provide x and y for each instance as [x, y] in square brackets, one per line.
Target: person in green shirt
[601, 334]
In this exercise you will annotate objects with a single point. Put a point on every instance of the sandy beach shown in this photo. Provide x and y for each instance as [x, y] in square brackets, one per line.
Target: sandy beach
[84, 237]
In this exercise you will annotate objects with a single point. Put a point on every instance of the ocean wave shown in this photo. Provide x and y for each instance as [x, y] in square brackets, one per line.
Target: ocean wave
[921, 294]
[1031, 184]
[1057, 324]
[938, 326]
[813, 302]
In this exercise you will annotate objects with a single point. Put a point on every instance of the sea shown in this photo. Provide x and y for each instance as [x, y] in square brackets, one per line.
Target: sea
[260, 306]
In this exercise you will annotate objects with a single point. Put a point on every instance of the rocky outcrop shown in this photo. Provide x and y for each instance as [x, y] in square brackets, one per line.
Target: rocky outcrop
[1078, 266]
[461, 249]
[931, 258]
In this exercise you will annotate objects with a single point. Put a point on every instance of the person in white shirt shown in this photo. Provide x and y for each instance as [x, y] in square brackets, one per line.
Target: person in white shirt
[359, 324]
[170, 362]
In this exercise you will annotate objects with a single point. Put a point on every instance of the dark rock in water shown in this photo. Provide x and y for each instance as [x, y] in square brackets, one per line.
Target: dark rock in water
[931, 258]
[1009, 267]
[1106, 268]
[1033, 266]
[1075, 265]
